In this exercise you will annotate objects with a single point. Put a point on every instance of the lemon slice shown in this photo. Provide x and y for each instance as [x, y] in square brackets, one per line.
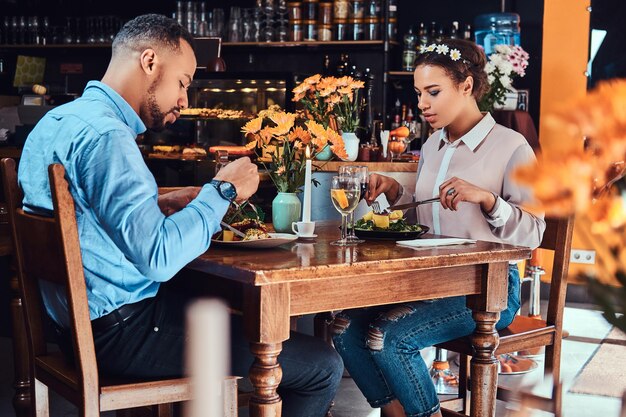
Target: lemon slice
[381, 221]
[340, 197]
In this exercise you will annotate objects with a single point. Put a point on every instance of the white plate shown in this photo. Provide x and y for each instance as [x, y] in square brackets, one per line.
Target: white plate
[274, 240]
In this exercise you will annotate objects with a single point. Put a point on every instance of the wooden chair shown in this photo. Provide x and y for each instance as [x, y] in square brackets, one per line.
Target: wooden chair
[529, 332]
[48, 248]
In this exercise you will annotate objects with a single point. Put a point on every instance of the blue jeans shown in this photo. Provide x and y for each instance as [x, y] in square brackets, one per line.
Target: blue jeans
[151, 345]
[381, 346]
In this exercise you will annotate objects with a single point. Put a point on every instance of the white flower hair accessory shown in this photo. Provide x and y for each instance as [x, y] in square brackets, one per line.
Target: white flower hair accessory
[443, 49]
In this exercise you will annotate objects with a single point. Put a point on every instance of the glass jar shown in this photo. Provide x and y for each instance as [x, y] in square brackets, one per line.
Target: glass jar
[310, 30]
[341, 8]
[294, 10]
[357, 32]
[325, 33]
[325, 14]
[392, 29]
[372, 8]
[341, 30]
[357, 9]
[309, 9]
[372, 29]
[393, 9]
[296, 33]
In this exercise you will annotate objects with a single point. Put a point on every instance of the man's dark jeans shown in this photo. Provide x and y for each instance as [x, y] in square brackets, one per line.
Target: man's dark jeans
[151, 345]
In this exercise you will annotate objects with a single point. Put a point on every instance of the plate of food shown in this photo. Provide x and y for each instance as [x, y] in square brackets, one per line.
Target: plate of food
[387, 226]
[249, 220]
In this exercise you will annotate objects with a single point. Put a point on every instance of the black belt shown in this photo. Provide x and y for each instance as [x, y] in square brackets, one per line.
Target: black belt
[119, 316]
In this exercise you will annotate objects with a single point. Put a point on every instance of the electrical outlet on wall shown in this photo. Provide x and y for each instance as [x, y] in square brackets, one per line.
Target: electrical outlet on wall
[581, 256]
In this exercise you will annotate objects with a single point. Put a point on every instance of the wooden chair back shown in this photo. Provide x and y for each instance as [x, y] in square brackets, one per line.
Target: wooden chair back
[49, 250]
[558, 238]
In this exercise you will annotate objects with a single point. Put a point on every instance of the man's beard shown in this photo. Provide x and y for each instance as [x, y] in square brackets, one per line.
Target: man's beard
[156, 116]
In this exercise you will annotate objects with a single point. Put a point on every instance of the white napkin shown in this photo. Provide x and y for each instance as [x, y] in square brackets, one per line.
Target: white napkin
[428, 243]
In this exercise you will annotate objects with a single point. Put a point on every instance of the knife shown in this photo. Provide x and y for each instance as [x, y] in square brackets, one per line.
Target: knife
[232, 229]
[414, 204]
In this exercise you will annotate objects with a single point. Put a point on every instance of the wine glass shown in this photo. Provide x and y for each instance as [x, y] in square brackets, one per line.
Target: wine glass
[344, 193]
[362, 174]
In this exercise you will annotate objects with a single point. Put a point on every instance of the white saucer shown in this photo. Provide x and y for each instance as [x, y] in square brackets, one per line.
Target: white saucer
[313, 236]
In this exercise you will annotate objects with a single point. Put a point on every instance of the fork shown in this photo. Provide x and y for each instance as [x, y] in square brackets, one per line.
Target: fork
[376, 208]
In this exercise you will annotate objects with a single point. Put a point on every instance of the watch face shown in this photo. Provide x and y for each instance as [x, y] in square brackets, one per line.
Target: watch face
[228, 191]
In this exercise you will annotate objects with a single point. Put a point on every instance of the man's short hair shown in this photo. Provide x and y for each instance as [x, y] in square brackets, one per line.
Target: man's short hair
[150, 31]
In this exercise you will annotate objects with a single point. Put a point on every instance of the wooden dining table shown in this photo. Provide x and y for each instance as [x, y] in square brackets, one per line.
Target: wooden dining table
[272, 285]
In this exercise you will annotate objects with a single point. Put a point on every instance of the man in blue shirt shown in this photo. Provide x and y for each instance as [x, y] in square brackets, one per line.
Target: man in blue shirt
[133, 240]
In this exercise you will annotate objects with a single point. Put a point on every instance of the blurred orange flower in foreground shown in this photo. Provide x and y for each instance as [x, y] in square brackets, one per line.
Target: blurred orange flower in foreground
[581, 158]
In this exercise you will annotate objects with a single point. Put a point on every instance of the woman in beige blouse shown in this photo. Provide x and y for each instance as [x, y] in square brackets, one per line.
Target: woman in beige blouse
[467, 163]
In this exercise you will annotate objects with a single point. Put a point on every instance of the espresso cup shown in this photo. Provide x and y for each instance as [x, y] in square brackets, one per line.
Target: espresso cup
[304, 229]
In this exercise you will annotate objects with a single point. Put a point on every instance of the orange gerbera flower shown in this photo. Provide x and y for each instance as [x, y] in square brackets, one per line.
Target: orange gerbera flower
[284, 123]
[316, 129]
[299, 134]
[344, 81]
[265, 135]
[355, 85]
[253, 126]
[313, 79]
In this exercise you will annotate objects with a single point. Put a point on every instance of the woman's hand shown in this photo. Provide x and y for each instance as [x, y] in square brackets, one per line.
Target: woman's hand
[455, 190]
[175, 201]
[379, 184]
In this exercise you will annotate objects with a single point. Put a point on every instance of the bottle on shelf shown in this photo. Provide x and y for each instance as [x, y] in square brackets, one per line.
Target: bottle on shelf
[326, 66]
[432, 32]
[440, 35]
[409, 52]
[395, 115]
[467, 32]
[342, 66]
[367, 116]
[454, 30]
[423, 36]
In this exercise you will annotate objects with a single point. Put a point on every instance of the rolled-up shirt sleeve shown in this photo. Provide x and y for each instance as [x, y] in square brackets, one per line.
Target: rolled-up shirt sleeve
[508, 220]
[122, 192]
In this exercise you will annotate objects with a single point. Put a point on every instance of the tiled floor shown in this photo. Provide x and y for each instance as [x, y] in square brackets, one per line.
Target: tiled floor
[581, 323]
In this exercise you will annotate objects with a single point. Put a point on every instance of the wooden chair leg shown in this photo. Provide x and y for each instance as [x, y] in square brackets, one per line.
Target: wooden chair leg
[464, 368]
[553, 368]
[320, 326]
[163, 410]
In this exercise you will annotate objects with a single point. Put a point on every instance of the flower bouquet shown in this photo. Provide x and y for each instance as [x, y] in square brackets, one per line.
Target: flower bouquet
[284, 137]
[505, 64]
[328, 98]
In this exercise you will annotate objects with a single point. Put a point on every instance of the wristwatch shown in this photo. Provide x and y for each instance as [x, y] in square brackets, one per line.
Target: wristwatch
[226, 189]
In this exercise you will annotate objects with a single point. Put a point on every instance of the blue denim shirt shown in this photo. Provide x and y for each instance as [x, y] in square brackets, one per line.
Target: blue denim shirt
[128, 246]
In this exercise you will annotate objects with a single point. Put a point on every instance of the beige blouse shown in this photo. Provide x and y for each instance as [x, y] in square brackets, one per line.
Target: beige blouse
[485, 156]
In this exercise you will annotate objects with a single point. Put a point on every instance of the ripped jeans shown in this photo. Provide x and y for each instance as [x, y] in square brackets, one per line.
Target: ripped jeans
[380, 346]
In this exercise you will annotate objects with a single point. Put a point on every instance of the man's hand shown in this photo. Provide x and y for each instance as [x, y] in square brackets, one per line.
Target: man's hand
[243, 174]
[175, 201]
[379, 184]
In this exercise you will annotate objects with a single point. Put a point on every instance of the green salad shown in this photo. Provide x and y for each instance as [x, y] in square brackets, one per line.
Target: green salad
[399, 225]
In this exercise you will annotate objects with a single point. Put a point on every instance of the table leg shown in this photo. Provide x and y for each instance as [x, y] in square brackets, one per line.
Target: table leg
[265, 375]
[484, 366]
